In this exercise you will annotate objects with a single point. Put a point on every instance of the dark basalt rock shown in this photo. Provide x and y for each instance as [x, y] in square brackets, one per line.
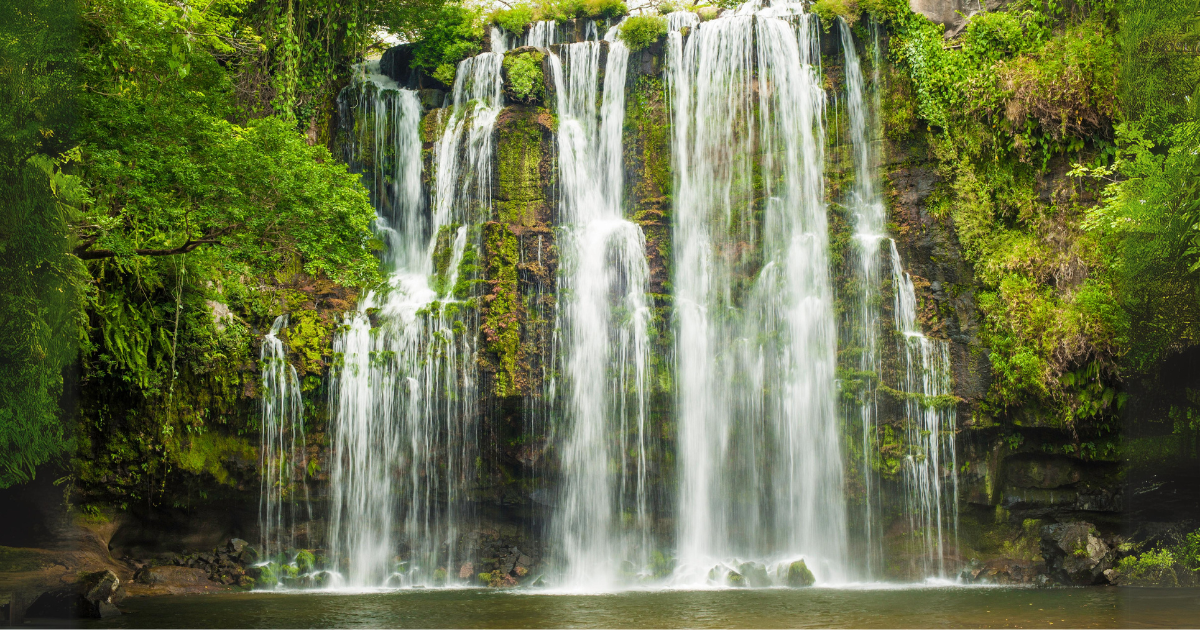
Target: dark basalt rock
[396, 64]
[93, 597]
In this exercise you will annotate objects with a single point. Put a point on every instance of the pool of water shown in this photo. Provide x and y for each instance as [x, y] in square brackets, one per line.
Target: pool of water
[929, 607]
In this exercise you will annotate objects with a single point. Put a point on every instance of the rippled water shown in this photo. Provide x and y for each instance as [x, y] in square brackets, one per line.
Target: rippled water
[768, 608]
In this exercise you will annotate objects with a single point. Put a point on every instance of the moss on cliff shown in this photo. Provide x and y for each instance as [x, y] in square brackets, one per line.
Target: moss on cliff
[502, 306]
[519, 198]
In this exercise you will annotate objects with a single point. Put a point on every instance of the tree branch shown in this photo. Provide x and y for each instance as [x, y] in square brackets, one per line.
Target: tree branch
[214, 237]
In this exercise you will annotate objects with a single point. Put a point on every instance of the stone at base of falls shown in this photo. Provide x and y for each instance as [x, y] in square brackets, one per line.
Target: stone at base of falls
[242, 551]
[466, 570]
[1075, 554]
[755, 575]
[1004, 571]
[172, 578]
[798, 575]
[94, 597]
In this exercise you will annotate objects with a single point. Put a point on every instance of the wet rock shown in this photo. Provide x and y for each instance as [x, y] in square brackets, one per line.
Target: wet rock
[237, 546]
[1075, 554]
[172, 576]
[736, 579]
[798, 575]
[1002, 571]
[94, 597]
[466, 570]
[755, 574]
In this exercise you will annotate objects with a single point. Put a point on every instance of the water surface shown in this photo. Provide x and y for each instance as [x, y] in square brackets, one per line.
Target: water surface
[767, 608]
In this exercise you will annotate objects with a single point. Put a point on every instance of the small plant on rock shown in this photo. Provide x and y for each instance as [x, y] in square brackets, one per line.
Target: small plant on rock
[640, 31]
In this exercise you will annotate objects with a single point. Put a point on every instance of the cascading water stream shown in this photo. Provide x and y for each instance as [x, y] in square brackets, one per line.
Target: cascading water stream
[282, 448]
[931, 510]
[924, 366]
[759, 455]
[602, 516]
[404, 426]
[870, 217]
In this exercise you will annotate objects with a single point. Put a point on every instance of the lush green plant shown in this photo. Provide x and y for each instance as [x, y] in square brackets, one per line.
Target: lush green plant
[830, 10]
[514, 20]
[1020, 89]
[525, 74]
[446, 37]
[640, 31]
[305, 561]
[40, 296]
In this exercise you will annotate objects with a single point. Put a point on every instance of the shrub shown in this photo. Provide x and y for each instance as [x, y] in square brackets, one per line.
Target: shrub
[606, 9]
[994, 36]
[524, 75]
[1068, 87]
[305, 561]
[446, 38]
[1152, 568]
[830, 10]
[640, 31]
[514, 20]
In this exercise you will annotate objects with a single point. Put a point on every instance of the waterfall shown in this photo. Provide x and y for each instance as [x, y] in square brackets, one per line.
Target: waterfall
[602, 517]
[404, 437]
[923, 370]
[679, 20]
[869, 215]
[282, 448]
[759, 455]
[929, 410]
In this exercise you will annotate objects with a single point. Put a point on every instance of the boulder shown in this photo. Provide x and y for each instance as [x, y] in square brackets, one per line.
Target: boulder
[735, 579]
[798, 575]
[1075, 554]
[466, 571]
[172, 576]
[953, 14]
[93, 597]
[755, 574]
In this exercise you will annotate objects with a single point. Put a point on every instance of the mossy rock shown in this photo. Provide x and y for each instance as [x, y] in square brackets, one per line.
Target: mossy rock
[524, 78]
[799, 576]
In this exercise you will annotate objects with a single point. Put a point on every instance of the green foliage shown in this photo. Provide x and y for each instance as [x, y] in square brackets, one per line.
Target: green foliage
[514, 20]
[501, 320]
[830, 10]
[40, 297]
[305, 561]
[1023, 89]
[199, 199]
[1149, 218]
[640, 31]
[525, 75]
[519, 16]
[448, 35]
[1158, 63]
[1175, 564]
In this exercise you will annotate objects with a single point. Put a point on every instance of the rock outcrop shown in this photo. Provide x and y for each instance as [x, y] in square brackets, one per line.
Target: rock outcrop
[95, 596]
[1075, 554]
